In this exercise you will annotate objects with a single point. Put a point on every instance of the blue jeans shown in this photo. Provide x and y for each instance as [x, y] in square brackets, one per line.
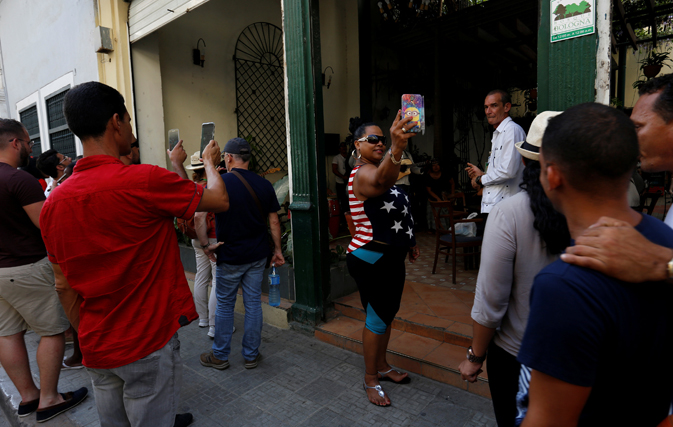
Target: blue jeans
[229, 276]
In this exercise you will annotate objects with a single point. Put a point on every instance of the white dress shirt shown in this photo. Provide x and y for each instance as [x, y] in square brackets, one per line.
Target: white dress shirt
[505, 169]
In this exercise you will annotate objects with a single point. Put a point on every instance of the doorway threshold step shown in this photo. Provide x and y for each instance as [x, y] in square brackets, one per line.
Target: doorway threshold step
[431, 358]
[428, 326]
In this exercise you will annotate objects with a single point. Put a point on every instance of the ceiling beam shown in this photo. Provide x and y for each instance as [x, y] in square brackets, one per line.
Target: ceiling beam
[622, 18]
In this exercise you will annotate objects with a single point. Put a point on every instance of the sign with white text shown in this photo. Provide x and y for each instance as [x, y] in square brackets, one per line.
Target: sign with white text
[571, 18]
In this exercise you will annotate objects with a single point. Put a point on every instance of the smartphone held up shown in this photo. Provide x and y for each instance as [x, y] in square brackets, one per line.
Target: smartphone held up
[207, 134]
[413, 105]
[173, 138]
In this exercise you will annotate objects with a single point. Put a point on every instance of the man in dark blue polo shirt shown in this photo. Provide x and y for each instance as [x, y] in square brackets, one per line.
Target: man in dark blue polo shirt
[242, 256]
[593, 344]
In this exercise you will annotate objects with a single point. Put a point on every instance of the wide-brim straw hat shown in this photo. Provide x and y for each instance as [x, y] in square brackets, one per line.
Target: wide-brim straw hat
[195, 162]
[530, 148]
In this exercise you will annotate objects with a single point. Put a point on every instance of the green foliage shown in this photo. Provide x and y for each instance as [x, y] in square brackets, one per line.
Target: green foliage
[286, 242]
[656, 58]
[337, 254]
[572, 9]
[182, 238]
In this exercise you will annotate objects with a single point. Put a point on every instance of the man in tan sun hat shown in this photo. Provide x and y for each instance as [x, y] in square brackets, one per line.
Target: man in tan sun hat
[513, 252]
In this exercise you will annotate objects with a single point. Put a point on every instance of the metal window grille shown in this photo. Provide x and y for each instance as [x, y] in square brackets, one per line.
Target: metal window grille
[30, 120]
[260, 95]
[61, 138]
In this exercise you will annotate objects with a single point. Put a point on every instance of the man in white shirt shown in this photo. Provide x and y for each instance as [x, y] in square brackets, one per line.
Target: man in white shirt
[504, 169]
[340, 176]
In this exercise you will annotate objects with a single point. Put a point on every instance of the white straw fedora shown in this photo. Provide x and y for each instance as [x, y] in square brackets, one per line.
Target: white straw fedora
[530, 148]
[195, 162]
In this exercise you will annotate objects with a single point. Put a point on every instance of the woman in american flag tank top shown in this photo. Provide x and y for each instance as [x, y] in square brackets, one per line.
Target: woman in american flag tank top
[384, 237]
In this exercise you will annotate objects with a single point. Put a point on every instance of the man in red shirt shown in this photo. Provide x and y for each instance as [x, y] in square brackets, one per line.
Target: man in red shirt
[110, 237]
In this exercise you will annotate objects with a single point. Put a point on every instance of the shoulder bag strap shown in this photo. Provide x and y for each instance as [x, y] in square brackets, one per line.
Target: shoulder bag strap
[252, 193]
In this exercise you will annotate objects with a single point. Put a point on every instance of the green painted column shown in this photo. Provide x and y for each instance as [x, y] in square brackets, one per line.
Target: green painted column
[566, 73]
[305, 123]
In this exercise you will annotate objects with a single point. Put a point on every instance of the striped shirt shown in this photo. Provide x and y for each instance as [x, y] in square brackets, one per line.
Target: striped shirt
[363, 227]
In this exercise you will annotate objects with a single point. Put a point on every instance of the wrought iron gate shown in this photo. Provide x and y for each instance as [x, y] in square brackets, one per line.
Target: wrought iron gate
[260, 95]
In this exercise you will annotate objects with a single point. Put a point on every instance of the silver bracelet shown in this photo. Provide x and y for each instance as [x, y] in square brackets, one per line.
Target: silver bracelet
[392, 158]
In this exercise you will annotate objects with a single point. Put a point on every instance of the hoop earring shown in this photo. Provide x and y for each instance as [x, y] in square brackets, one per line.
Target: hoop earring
[353, 154]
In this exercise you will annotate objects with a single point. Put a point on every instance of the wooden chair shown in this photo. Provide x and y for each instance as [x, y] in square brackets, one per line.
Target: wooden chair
[447, 242]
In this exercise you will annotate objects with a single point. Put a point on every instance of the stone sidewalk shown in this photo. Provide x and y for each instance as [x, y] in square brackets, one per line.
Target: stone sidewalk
[299, 382]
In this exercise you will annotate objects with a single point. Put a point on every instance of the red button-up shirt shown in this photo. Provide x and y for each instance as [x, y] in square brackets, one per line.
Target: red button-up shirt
[110, 229]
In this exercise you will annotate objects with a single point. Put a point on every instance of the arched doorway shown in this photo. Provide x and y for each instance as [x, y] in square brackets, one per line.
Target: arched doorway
[260, 96]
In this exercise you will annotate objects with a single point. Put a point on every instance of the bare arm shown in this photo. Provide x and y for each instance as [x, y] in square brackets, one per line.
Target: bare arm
[215, 197]
[274, 223]
[178, 156]
[482, 337]
[431, 193]
[70, 299]
[554, 403]
[201, 226]
[33, 210]
[618, 250]
[373, 181]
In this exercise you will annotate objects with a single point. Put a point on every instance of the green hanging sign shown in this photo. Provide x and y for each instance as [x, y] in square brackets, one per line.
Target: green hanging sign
[572, 18]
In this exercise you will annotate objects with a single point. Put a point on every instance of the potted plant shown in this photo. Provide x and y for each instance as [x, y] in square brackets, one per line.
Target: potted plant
[653, 63]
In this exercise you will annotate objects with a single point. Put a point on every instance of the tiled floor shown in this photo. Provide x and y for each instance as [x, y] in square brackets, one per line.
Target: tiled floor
[428, 311]
[421, 270]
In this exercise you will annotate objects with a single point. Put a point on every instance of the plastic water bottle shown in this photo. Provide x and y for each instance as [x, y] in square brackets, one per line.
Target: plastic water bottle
[274, 288]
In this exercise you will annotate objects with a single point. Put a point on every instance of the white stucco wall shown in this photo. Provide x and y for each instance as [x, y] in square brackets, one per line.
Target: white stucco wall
[4, 110]
[633, 71]
[340, 50]
[149, 100]
[191, 95]
[44, 40]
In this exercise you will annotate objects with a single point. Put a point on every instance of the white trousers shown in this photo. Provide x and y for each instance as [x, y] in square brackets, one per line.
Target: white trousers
[205, 276]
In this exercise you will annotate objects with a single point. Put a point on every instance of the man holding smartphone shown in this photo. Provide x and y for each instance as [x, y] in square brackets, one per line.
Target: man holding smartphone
[110, 238]
[242, 260]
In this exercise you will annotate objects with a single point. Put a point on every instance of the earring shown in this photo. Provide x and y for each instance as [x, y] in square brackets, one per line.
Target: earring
[353, 154]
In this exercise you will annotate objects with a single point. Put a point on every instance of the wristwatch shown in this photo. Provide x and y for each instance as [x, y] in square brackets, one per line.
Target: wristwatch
[478, 181]
[473, 358]
[205, 246]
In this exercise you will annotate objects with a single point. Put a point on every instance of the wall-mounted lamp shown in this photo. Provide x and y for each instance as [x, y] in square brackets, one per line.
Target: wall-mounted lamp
[329, 81]
[199, 57]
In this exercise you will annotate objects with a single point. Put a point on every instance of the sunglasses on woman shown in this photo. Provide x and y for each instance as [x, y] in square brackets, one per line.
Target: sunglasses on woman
[373, 139]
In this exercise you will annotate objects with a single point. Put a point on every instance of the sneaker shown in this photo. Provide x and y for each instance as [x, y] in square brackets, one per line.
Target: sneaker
[209, 360]
[251, 364]
[203, 323]
[28, 408]
[72, 399]
[183, 420]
